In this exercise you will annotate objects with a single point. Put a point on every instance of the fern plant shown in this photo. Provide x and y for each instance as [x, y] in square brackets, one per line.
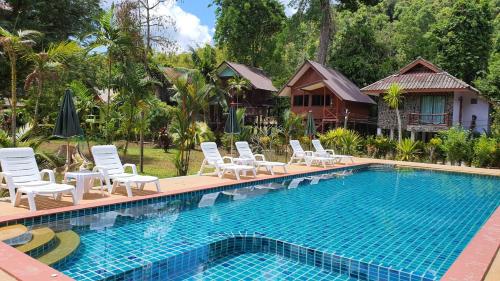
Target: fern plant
[407, 150]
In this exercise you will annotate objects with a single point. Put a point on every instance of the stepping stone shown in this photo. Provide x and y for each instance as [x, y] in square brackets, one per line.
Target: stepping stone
[12, 231]
[41, 237]
[68, 243]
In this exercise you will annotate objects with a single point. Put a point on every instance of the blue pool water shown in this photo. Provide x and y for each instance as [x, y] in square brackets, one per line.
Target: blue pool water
[373, 224]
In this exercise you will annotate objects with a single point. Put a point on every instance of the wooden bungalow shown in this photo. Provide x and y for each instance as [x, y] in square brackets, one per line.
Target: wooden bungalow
[258, 100]
[433, 100]
[332, 97]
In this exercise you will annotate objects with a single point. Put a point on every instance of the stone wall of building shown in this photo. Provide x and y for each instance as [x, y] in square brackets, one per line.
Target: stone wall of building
[411, 104]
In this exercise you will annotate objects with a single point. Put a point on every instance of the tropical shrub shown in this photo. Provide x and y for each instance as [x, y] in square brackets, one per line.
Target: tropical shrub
[203, 133]
[379, 146]
[305, 141]
[486, 152]
[456, 146]
[433, 148]
[407, 150]
[343, 141]
[265, 141]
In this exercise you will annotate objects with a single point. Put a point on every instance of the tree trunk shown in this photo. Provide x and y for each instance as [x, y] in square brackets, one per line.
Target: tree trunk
[141, 134]
[325, 31]
[109, 97]
[13, 81]
[37, 102]
[129, 130]
[400, 133]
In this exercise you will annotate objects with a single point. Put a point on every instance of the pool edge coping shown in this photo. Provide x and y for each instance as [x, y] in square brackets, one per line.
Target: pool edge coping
[472, 264]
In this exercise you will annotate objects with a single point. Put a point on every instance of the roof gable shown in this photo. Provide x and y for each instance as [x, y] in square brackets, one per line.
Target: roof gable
[420, 65]
[257, 78]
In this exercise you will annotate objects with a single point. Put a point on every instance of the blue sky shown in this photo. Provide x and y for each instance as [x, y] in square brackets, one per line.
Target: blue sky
[194, 20]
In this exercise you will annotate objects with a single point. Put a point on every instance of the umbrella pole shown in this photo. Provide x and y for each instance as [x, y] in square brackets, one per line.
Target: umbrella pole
[68, 155]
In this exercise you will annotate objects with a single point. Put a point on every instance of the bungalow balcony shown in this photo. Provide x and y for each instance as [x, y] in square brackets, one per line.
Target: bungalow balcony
[422, 119]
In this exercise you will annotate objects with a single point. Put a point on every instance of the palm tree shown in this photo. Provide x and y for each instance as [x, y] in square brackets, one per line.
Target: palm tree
[15, 44]
[236, 86]
[110, 36]
[393, 98]
[44, 64]
[191, 92]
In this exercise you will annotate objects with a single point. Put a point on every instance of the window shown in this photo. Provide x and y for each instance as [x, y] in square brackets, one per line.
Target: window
[298, 100]
[318, 100]
[306, 100]
[432, 109]
[473, 101]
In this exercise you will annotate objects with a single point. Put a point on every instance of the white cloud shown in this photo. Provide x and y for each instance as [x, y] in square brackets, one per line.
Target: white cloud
[189, 32]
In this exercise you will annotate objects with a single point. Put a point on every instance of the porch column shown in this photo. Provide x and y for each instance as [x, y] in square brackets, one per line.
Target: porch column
[412, 135]
[379, 131]
[391, 134]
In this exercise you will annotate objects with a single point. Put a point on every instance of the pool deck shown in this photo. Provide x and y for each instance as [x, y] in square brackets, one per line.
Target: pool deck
[476, 263]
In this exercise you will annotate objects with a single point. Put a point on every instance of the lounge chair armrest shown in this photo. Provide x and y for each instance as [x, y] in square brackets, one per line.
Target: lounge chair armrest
[261, 156]
[229, 158]
[331, 151]
[129, 165]
[8, 178]
[52, 177]
[102, 170]
[308, 153]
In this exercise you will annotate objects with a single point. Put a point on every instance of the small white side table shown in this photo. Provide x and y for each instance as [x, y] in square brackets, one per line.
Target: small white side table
[84, 182]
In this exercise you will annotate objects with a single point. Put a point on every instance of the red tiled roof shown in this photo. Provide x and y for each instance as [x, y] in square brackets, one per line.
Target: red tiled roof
[255, 76]
[431, 79]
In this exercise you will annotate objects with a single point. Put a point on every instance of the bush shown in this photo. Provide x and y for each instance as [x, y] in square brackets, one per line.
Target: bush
[203, 133]
[343, 141]
[456, 145]
[486, 152]
[433, 147]
[407, 150]
[379, 146]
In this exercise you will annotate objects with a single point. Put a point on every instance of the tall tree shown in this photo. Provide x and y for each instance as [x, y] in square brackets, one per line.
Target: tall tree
[462, 38]
[245, 28]
[393, 99]
[326, 30]
[57, 20]
[44, 64]
[155, 25]
[14, 45]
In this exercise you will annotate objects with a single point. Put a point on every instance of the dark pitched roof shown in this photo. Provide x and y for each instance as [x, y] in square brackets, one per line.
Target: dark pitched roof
[333, 80]
[254, 75]
[420, 75]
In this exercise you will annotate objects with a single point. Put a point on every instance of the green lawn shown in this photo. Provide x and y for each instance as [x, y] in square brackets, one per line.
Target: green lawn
[156, 161]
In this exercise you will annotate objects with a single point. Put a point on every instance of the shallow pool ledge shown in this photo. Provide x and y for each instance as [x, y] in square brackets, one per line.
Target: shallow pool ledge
[476, 259]
[23, 267]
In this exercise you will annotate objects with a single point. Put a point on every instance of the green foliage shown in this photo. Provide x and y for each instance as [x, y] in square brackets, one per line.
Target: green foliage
[407, 150]
[462, 38]
[203, 133]
[486, 152]
[433, 148]
[456, 144]
[359, 50]
[246, 28]
[342, 141]
[379, 146]
[393, 98]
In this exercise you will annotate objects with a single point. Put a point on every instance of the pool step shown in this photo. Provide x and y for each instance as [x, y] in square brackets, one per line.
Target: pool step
[43, 239]
[68, 242]
[11, 232]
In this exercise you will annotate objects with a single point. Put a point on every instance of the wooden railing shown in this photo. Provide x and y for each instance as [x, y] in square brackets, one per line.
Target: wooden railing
[439, 119]
[329, 113]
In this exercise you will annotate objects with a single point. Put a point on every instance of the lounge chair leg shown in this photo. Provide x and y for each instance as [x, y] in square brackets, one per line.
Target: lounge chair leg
[17, 199]
[270, 169]
[31, 201]
[157, 183]
[129, 189]
[141, 187]
[237, 174]
[254, 173]
[284, 169]
[73, 195]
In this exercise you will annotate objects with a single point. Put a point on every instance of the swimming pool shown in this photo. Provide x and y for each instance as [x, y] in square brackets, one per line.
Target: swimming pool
[377, 224]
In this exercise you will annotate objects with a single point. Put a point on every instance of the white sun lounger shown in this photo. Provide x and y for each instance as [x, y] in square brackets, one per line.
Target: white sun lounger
[246, 153]
[215, 160]
[108, 163]
[21, 174]
[330, 152]
[309, 157]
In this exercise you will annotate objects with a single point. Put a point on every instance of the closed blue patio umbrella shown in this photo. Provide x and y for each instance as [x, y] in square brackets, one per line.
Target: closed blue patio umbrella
[232, 126]
[68, 123]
